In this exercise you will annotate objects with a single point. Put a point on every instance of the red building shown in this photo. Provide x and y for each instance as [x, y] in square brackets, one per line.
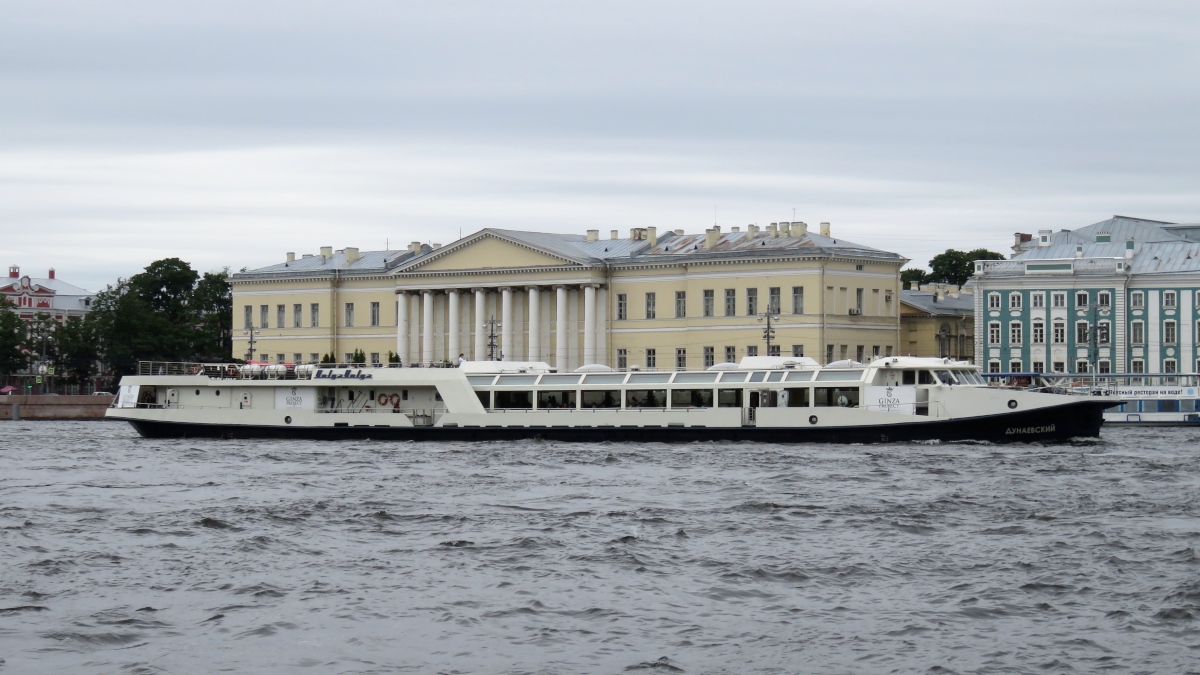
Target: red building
[50, 296]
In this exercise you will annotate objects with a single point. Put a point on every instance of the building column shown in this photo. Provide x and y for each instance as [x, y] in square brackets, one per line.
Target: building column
[602, 325]
[589, 324]
[427, 327]
[453, 323]
[535, 325]
[480, 323]
[402, 326]
[560, 328]
[506, 327]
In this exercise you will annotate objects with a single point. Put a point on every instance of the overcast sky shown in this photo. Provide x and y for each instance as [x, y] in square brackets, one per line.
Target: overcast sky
[228, 133]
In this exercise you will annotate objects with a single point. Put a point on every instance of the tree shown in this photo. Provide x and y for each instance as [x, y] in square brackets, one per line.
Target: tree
[359, 356]
[76, 349]
[911, 278]
[12, 338]
[955, 267]
[212, 304]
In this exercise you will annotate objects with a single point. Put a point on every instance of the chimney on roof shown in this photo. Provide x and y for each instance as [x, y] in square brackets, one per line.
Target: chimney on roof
[327, 252]
[51, 272]
[735, 228]
[799, 228]
[773, 228]
[614, 234]
[14, 272]
[679, 232]
[751, 231]
[351, 254]
[712, 236]
[291, 256]
[593, 235]
[824, 229]
[652, 236]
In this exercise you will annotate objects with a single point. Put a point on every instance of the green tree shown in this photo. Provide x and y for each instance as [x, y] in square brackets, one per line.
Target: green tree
[76, 349]
[359, 356]
[212, 304]
[913, 277]
[955, 267]
[12, 338]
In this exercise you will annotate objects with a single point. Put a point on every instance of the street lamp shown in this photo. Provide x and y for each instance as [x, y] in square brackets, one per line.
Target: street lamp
[768, 331]
[252, 332]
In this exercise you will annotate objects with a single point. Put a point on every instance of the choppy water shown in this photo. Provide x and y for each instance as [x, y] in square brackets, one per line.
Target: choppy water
[125, 555]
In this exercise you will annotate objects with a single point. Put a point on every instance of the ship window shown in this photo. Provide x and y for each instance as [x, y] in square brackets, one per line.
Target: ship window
[845, 397]
[646, 398]
[691, 398]
[560, 379]
[757, 377]
[910, 377]
[729, 398]
[835, 375]
[514, 399]
[775, 377]
[607, 398]
[513, 380]
[797, 398]
[556, 399]
[1168, 405]
[695, 377]
[647, 378]
[480, 380]
[733, 377]
[617, 378]
[925, 377]
[946, 377]
[485, 398]
[800, 377]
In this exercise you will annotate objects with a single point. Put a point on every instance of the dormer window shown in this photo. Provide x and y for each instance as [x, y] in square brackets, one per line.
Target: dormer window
[1103, 238]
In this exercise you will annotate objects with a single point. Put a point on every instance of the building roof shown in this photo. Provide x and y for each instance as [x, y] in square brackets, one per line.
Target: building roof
[315, 265]
[1159, 247]
[945, 305]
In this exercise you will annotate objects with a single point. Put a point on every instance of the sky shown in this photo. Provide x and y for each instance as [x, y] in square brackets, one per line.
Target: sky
[228, 133]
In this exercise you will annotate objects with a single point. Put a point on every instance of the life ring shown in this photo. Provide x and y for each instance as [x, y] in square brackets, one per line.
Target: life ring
[383, 399]
[395, 400]
[196, 368]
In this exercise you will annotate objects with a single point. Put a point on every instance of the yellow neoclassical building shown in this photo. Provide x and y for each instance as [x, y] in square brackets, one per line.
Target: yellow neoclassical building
[650, 300]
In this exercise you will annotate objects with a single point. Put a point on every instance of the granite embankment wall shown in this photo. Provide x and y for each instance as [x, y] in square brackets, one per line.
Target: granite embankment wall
[55, 407]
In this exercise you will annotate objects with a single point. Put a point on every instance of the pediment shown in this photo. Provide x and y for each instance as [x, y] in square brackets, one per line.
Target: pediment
[488, 252]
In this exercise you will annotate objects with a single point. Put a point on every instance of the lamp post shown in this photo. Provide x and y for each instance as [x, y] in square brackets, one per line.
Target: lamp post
[252, 332]
[769, 330]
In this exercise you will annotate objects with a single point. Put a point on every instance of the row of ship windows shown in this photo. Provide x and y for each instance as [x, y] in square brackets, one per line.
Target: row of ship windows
[1085, 333]
[1103, 367]
[800, 397]
[1137, 300]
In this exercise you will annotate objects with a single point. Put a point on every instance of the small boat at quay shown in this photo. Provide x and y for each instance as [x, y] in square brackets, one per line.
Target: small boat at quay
[760, 399]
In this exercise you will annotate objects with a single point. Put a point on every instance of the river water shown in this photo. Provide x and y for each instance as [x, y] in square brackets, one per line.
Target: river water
[125, 555]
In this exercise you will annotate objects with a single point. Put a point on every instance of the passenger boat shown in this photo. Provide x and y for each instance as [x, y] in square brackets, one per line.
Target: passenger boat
[763, 399]
[1144, 399]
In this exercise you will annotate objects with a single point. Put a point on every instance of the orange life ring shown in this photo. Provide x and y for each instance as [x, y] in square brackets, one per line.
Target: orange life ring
[395, 400]
[383, 399]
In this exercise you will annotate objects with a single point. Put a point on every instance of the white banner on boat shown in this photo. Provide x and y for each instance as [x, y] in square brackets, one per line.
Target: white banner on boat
[1156, 392]
[891, 399]
[295, 398]
[127, 396]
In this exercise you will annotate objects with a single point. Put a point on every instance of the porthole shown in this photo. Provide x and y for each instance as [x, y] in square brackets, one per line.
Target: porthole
[812, 419]
[287, 420]
[1012, 403]
[218, 393]
[197, 392]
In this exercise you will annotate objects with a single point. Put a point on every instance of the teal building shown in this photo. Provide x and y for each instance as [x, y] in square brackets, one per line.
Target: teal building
[1118, 296]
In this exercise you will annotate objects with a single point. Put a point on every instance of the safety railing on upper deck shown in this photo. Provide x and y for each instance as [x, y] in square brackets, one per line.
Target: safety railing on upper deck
[248, 371]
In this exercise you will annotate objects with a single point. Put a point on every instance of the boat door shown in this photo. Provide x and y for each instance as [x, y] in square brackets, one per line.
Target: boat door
[751, 407]
[172, 398]
[246, 400]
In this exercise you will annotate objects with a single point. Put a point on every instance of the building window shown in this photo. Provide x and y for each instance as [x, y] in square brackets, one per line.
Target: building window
[651, 358]
[262, 316]
[1104, 299]
[887, 350]
[797, 350]
[859, 353]
[858, 300]
[279, 358]
[349, 314]
[751, 301]
[797, 299]
[710, 357]
[263, 357]
[375, 358]
[1058, 300]
[1103, 367]
[1169, 333]
[297, 317]
[622, 307]
[1060, 367]
[1169, 299]
[680, 358]
[1137, 333]
[349, 358]
[1038, 366]
[651, 305]
[875, 351]
[1037, 300]
[993, 366]
[622, 359]
[730, 302]
[680, 304]
[1014, 333]
[1102, 333]
[1137, 366]
[828, 354]
[1081, 299]
[993, 301]
[280, 316]
[710, 302]
[1137, 300]
[773, 300]
[752, 350]
[1060, 332]
[1081, 366]
[375, 314]
[994, 333]
[1039, 333]
[296, 358]
[248, 317]
[773, 350]
[1014, 366]
[1014, 301]
[731, 355]
[314, 358]
[1081, 333]
[315, 310]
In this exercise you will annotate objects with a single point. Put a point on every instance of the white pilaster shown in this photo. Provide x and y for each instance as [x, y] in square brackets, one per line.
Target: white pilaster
[453, 324]
[402, 327]
[535, 325]
[602, 326]
[560, 328]
[480, 324]
[427, 327]
[589, 323]
[506, 321]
